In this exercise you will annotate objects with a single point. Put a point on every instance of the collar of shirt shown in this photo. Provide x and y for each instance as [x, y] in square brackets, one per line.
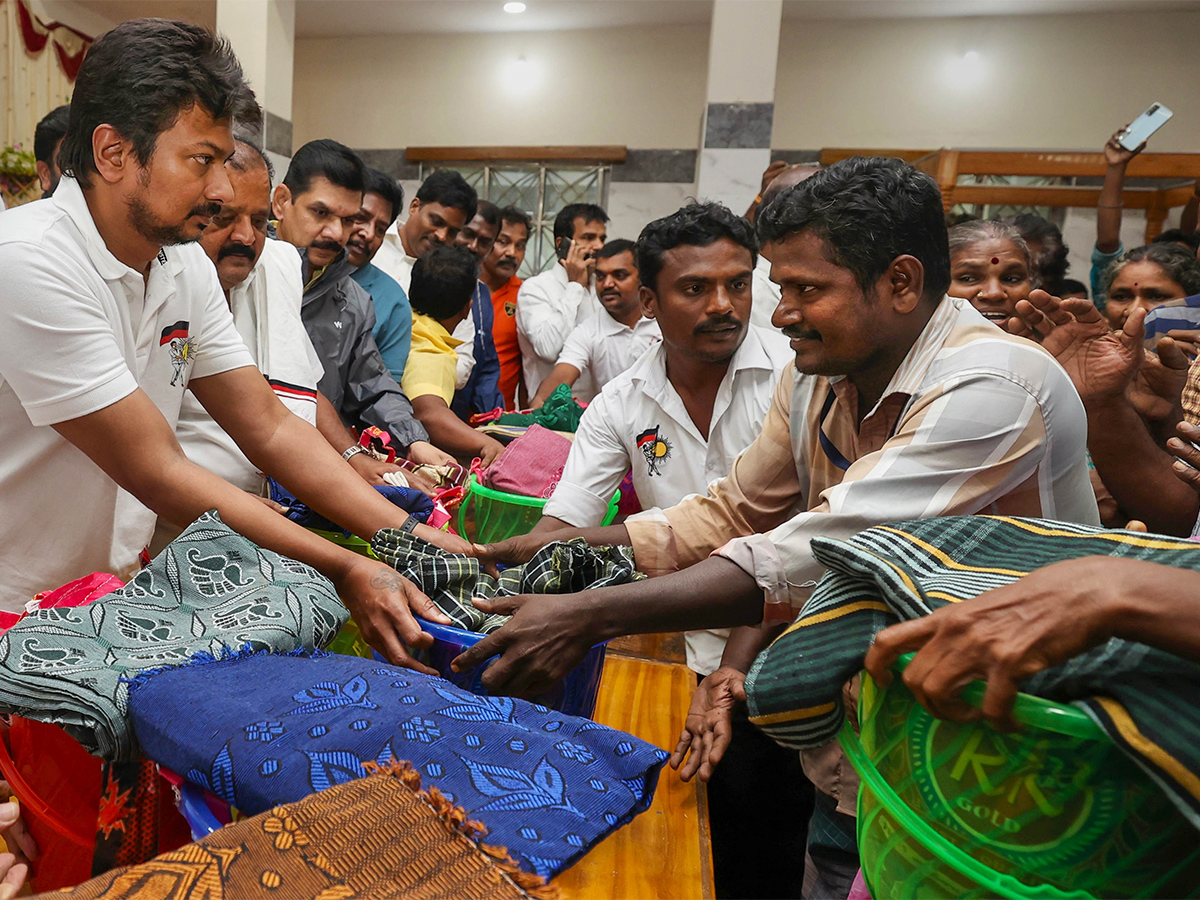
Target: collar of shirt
[610, 326]
[69, 198]
[915, 365]
[651, 372]
[433, 331]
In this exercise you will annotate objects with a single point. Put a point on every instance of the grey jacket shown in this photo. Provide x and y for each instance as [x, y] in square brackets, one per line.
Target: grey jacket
[339, 317]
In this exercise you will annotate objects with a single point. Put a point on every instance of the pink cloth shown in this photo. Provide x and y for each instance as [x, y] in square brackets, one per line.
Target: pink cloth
[858, 890]
[531, 465]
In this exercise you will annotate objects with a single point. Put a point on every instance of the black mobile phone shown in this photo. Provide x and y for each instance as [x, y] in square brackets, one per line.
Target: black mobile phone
[562, 247]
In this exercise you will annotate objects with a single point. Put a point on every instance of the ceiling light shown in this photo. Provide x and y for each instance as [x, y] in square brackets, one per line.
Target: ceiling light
[514, 7]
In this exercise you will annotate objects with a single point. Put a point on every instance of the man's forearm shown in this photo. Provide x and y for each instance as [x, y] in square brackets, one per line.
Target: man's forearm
[562, 373]
[1136, 470]
[1158, 607]
[1108, 210]
[714, 593]
[329, 423]
[746, 642]
[450, 433]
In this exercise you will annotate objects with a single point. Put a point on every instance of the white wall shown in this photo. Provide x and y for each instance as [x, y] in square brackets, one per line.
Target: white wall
[1044, 82]
[642, 87]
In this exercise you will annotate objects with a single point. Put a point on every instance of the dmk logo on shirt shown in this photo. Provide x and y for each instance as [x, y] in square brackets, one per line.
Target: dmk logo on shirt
[182, 348]
[510, 308]
[655, 448]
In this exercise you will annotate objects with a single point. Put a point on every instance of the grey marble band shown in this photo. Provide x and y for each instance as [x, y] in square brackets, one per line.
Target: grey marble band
[277, 134]
[661, 166]
[740, 126]
[391, 162]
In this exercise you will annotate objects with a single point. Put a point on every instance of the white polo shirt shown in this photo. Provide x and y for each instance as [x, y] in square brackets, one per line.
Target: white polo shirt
[80, 330]
[549, 306]
[604, 348]
[639, 420]
[266, 313]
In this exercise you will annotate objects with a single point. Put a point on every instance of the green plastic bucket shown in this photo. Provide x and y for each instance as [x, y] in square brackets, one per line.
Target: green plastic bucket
[350, 542]
[500, 515]
[1054, 810]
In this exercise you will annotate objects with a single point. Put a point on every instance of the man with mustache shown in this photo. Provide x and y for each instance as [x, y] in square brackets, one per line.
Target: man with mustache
[551, 304]
[679, 416]
[381, 204]
[109, 313]
[500, 268]
[481, 392]
[611, 341]
[902, 403]
[317, 206]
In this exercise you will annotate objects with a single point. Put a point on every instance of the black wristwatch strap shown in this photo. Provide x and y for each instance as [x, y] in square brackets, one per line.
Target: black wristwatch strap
[410, 524]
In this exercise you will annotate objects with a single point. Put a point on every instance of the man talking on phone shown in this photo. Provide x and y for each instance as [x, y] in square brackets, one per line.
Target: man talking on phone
[550, 305]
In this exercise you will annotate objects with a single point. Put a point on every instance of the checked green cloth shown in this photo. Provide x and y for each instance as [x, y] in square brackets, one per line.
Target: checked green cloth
[210, 591]
[1145, 699]
[451, 580]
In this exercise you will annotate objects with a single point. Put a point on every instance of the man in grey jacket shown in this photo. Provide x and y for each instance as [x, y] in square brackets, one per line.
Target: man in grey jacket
[316, 207]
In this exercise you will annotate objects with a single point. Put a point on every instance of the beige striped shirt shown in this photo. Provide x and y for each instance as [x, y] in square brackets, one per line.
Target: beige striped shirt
[974, 421]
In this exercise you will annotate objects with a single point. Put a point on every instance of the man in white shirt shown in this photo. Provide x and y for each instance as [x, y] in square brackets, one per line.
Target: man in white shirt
[109, 312]
[444, 203]
[680, 417]
[551, 304]
[608, 343]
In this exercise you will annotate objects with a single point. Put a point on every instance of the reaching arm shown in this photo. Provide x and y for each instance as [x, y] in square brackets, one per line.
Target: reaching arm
[563, 373]
[329, 423]
[453, 434]
[549, 634]
[154, 469]
[1108, 209]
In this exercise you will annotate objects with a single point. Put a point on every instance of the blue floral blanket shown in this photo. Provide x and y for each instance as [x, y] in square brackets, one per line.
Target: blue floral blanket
[266, 729]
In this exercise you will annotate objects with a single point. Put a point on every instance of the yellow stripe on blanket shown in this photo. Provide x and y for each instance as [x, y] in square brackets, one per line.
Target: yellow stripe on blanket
[1147, 748]
[1134, 539]
[790, 715]
[830, 614]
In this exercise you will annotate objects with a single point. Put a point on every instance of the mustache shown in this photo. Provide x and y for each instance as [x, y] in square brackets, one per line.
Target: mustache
[236, 250]
[796, 333]
[331, 246]
[208, 210]
[719, 324]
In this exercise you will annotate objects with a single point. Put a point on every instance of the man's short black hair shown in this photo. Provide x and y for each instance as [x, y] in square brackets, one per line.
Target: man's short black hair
[388, 188]
[329, 159]
[564, 222]
[1068, 286]
[1047, 252]
[443, 281]
[616, 247]
[49, 131]
[447, 188]
[868, 211]
[510, 215]
[694, 225]
[139, 77]
[489, 212]
[1179, 236]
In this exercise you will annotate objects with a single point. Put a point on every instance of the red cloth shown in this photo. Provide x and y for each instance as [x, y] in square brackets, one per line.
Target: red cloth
[79, 592]
[504, 333]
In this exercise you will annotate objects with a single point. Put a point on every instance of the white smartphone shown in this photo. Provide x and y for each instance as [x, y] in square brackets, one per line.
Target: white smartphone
[1143, 126]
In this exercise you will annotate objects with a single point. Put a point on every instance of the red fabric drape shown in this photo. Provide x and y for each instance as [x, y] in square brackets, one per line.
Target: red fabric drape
[70, 45]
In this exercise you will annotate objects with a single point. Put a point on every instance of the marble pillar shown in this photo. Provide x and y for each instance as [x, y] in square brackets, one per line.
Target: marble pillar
[263, 35]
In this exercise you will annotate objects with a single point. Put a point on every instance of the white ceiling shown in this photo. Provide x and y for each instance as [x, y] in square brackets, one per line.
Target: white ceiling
[331, 18]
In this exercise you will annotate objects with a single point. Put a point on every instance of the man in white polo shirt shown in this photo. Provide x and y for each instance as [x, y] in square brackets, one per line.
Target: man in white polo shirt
[109, 311]
[680, 417]
[610, 342]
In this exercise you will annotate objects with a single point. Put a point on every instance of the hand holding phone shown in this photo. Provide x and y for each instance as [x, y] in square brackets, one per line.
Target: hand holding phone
[1139, 130]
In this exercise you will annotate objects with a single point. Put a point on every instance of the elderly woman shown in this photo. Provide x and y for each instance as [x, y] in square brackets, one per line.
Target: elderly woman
[1148, 277]
[989, 265]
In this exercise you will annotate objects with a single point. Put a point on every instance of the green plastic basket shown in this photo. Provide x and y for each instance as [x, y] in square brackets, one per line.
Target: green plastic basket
[500, 515]
[1054, 810]
[350, 542]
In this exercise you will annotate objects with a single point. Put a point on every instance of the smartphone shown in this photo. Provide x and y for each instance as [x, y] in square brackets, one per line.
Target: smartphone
[1143, 126]
[562, 247]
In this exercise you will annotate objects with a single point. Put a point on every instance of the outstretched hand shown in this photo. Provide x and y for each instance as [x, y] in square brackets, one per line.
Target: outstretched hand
[383, 603]
[708, 729]
[1157, 390]
[1101, 363]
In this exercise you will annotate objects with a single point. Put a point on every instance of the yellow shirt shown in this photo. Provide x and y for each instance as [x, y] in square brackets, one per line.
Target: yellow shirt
[431, 361]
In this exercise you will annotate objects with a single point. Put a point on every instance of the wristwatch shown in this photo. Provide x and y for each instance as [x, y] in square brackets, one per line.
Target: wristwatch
[352, 451]
[410, 524]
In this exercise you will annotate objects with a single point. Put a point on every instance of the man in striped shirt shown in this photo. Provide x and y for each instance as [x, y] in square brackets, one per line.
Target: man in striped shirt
[903, 404]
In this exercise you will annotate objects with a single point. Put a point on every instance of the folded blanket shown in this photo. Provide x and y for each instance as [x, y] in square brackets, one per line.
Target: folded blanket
[210, 590]
[560, 412]
[451, 580]
[266, 729]
[1144, 698]
[414, 502]
[378, 837]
